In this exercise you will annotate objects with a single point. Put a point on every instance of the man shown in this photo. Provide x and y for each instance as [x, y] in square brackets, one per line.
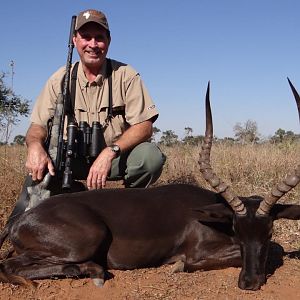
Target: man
[127, 155]
[125, 133]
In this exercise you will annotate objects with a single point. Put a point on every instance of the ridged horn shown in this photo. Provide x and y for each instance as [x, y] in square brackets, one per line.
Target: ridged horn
[205, 166]
[288, 183]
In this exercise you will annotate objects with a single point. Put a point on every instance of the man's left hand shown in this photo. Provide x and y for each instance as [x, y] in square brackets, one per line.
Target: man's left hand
[100, 169]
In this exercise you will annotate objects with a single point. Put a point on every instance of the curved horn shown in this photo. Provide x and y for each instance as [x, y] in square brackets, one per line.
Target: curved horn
[288, 183]
[206, 169]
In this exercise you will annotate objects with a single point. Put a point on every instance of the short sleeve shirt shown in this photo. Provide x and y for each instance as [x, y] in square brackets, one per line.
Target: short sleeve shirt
[132, 103]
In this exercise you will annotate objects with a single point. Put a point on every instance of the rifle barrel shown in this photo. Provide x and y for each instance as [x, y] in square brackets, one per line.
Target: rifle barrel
[65, 95]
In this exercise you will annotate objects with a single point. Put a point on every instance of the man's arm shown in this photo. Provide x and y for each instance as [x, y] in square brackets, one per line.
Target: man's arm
[37, 158]
[133, 136]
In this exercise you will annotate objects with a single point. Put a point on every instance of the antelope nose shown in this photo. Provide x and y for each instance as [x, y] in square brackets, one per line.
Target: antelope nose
[251, 283]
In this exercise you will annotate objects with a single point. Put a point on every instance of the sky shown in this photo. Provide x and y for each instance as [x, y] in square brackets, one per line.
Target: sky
[245, 48]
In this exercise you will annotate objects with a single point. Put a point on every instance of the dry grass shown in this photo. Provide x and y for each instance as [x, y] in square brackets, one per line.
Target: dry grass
[12, 172]
[249, 169]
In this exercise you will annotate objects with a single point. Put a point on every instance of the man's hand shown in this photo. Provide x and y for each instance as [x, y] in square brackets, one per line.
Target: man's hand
[38, 161]
[100, 169]
[37, 158]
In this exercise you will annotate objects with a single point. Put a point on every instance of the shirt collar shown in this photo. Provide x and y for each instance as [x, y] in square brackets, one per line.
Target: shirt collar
[98, 80]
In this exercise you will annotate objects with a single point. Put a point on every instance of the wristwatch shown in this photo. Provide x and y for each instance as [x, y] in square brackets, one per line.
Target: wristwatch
[116, 149]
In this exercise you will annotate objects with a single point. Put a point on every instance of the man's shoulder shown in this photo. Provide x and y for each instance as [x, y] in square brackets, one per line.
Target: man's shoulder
[123, 68]
[58, 74]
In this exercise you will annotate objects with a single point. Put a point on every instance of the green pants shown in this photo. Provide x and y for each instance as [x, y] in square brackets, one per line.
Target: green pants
[140, 167]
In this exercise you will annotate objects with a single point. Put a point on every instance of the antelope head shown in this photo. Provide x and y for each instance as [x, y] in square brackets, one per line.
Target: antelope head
[252, 217]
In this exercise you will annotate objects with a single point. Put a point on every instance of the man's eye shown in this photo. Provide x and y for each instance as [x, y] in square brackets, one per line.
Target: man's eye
[99, 38]
[85, 37]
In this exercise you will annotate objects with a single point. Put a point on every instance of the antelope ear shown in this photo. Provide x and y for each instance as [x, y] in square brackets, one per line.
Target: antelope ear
[214, 213]
[285, 211]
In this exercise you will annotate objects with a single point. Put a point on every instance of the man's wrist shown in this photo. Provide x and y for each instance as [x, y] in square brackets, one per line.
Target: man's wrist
[115, 149]
[34, 144]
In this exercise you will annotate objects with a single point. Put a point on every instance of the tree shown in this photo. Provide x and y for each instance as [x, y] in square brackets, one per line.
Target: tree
[11, 108]
[189, 139]
[188, 131]
[281, 136]
[227, 140]
[155, 131]
[246, 133]
[193, 140]
[169, 138]
[19, 139]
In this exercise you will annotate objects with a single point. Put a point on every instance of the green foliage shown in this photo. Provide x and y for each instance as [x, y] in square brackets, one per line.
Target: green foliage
[12, 107]
[19, 139]
[169, 138]
[154, 133]
[282, 136]
[226, 140]
[193, 140]
[188, 131]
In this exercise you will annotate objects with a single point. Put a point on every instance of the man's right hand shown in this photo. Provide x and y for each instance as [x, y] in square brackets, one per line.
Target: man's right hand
[37, 162]
[37, 158]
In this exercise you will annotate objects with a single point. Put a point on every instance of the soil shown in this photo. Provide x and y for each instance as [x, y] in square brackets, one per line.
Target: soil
[160, 283]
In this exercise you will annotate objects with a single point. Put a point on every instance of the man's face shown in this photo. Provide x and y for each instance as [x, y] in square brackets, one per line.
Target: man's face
[92, 44]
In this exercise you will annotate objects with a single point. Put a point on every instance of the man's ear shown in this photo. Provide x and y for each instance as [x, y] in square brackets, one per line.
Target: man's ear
[214, 213]
[74, 39]
[285, 211]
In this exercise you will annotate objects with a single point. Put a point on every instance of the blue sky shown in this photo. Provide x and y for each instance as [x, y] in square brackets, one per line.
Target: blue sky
[245, 48]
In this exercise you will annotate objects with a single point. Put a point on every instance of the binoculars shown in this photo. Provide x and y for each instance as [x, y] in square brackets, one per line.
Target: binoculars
[85, 140]
[82, 141]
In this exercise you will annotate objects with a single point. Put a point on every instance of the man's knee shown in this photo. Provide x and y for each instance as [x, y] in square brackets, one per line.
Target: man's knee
[144, 165]
[148, 156]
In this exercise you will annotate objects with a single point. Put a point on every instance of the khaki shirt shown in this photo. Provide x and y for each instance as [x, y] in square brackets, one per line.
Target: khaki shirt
[132, 103]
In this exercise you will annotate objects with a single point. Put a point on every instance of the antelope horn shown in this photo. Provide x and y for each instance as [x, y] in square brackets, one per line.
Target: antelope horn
[288, 183]
[205, 166]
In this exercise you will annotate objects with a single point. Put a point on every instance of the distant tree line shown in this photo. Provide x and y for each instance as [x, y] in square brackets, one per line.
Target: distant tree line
[12, 107]
[246, 133]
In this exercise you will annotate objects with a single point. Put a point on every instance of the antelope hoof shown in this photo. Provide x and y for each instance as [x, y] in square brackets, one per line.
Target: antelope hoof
[99, 282]
[177, 267]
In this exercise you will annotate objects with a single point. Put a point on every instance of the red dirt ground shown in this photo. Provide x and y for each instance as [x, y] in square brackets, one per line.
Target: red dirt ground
[161, 284]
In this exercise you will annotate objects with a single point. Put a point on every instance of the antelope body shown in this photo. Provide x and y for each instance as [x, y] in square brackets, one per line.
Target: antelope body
[89, 232]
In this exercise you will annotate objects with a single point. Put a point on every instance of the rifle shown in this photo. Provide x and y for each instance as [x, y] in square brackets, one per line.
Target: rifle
[32, 193]
[56, 142]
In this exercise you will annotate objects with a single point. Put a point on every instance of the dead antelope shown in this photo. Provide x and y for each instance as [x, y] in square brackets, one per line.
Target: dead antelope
[86, 233]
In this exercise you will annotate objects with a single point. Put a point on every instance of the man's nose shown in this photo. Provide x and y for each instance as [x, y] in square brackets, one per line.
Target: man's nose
[93, 42]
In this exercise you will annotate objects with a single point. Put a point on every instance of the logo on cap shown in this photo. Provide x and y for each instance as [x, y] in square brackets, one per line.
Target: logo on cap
[86, 14]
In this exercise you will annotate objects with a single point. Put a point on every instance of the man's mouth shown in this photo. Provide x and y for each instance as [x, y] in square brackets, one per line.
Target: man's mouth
[93, 53]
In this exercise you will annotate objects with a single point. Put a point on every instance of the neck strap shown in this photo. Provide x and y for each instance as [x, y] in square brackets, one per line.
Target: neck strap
[70, 105]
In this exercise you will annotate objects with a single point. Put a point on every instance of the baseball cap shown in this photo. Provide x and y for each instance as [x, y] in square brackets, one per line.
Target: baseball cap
[91, 15]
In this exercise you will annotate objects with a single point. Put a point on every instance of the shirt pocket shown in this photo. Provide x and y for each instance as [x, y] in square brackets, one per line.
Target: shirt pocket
[114, 127]
[82, 115]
